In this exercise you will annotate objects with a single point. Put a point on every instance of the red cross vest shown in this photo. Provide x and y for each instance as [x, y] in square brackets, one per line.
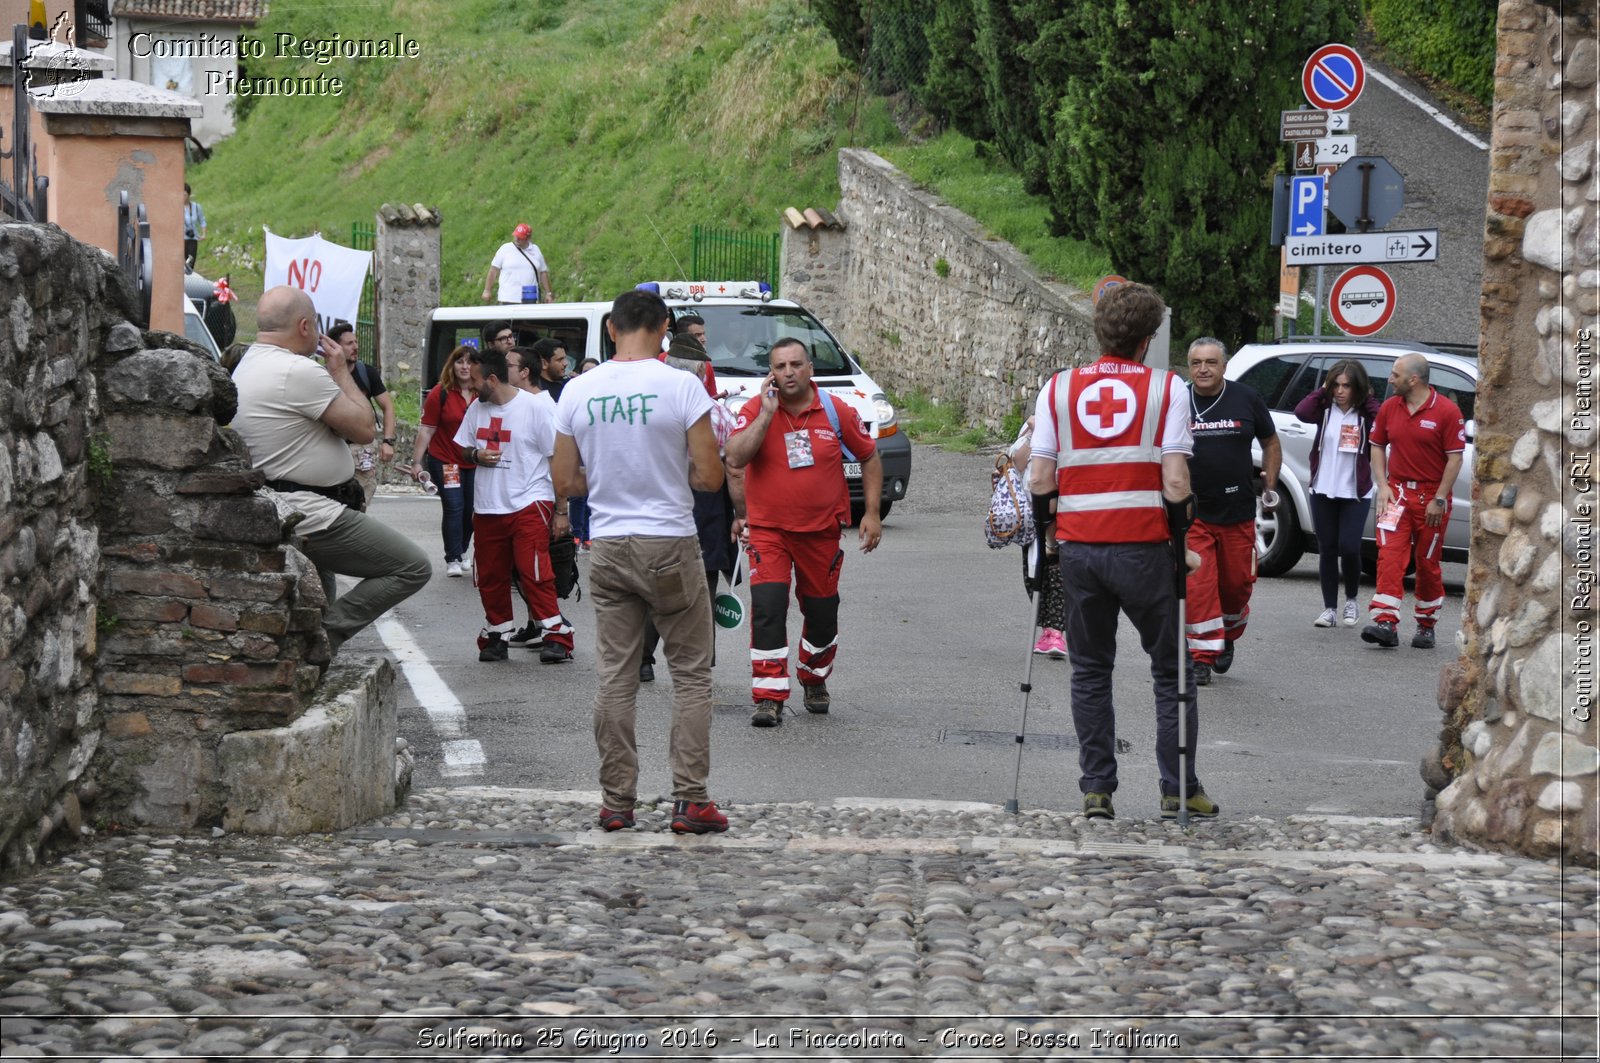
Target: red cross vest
[1109, 420]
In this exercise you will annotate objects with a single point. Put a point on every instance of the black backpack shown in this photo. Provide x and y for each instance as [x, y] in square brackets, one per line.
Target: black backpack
[564, 562]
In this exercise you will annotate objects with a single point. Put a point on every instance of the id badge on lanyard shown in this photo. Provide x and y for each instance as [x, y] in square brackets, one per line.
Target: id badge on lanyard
[1349, 439]
[452, 476]
[798, 446]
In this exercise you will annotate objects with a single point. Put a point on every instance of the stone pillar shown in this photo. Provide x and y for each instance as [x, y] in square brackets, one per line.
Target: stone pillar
[813, 269]
[110, 136]
[407, 278]
[1518, 755]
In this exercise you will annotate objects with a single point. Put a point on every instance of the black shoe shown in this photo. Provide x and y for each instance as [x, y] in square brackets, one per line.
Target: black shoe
[647, 672]
[767, 714]
[554, 654]
[530, 637]
[1381, 633]
[1202, 674]
[495, 649]
[817, 698]
[1423, 639]
[1224, 659]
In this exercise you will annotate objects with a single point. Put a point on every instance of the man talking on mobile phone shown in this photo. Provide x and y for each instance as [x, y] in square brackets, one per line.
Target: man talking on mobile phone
[791, 441]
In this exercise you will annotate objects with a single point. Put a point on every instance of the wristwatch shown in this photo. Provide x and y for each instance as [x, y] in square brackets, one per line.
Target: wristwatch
[1437, 499]
[389, 440]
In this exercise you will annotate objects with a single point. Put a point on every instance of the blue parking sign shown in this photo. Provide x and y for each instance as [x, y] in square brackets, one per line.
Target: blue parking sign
[1306, 206]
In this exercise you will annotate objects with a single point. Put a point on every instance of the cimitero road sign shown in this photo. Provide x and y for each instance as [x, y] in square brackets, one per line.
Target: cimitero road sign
[1333, 77]
[1303, 125]
[1361, 301]
[1348, 249]
[1307, 214]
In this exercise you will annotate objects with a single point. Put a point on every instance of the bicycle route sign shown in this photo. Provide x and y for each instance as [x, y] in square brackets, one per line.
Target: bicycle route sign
[1362, 300]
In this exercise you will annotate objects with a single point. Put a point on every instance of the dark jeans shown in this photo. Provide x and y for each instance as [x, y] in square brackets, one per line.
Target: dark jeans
[578, 517]
[1338, 523]
[456, 523]
[1099, 580]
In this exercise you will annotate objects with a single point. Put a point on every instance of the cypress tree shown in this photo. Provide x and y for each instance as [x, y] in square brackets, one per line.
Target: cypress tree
[1165, 139]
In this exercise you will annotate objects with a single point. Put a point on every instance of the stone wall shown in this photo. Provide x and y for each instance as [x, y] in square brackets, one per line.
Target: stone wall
[50, 459]
[406, 265]
[161, 642]
[935, 306]
[813, 274]
[1519, 737]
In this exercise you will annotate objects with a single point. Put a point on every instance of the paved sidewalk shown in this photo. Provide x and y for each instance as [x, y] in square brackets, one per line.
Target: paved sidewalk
[480, 922]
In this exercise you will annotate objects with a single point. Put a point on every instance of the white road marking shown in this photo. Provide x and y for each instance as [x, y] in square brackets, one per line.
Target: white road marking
[462, 756]
[1427, 108]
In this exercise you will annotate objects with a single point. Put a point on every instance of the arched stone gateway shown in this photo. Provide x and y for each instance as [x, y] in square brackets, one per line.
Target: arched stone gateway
[1517, 759]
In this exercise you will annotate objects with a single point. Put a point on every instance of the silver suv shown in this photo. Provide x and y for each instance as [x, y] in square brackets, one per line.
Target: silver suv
[1284, 373]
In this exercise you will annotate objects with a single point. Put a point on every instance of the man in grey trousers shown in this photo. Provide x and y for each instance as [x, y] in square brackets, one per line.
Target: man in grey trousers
[298, 419]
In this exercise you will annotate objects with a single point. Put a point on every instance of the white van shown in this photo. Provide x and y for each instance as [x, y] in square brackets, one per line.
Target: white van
[743, 321]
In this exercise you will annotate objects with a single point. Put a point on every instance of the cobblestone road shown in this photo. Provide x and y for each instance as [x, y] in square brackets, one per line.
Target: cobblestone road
[480, 922]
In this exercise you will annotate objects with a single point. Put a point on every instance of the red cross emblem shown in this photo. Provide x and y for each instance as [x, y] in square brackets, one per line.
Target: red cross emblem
[1106, 406]
[494, 435]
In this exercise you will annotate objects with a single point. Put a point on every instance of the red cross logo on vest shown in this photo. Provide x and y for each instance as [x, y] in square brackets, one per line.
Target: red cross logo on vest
[494, 435]
[1106, 408]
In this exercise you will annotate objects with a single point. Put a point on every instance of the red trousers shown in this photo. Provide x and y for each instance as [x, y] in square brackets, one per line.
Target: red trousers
[517, 542]
[1395, 549]
[814, 559]
[1218, 605]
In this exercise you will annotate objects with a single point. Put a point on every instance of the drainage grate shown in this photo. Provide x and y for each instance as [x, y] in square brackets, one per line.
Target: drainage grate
[957, 737]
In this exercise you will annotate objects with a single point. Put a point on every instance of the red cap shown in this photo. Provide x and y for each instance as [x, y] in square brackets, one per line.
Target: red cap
[521, 231]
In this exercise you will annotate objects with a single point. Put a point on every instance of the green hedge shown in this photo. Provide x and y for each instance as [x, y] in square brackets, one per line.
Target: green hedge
[1452, 40]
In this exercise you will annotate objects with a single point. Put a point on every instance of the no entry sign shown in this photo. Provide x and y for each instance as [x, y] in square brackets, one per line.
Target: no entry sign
[1333, 77]
[1361, 301]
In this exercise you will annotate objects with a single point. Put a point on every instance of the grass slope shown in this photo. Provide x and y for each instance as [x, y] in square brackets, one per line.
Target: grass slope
[595, 121]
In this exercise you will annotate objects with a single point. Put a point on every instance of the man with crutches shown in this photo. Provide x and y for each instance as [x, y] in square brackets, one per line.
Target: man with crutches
[1113, 439]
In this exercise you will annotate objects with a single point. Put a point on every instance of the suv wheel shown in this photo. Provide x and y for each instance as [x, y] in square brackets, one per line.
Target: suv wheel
[1279, 540]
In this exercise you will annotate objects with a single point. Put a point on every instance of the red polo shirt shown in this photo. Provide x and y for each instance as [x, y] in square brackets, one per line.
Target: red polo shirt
[811, 498]
[1418, 442]
[443, 411]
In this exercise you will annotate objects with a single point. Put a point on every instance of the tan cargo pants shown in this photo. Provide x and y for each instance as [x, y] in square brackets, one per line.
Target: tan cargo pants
[632, 579]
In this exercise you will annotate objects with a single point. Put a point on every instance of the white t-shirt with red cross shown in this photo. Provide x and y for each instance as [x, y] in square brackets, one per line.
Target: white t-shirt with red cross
[523, 430]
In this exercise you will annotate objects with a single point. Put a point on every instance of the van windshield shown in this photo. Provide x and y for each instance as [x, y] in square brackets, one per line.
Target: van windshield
[740, 338]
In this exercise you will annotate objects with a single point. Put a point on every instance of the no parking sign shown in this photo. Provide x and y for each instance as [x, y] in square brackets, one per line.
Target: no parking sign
[1333, 77]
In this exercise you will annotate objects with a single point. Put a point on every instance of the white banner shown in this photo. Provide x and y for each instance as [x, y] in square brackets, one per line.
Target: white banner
[332, 275]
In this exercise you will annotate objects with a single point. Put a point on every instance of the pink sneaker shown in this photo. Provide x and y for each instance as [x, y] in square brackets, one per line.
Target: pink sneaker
[1051, 644]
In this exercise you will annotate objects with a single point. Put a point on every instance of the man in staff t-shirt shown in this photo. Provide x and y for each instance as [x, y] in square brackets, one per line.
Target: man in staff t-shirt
[1418, 440]
[635, 435]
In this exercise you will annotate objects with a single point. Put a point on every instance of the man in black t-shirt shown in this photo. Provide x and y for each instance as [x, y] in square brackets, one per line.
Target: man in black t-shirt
[1224, 418]
[370, 383]
[551, 367]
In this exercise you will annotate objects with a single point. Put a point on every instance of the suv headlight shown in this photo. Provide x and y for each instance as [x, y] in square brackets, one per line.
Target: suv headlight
[882, 410]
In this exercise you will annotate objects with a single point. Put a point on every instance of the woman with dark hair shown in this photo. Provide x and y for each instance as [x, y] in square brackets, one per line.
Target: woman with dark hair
[1341, 481]
[442, 410]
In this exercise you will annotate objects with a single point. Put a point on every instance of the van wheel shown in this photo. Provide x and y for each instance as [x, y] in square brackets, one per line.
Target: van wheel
[859, 510]
[1279, 542]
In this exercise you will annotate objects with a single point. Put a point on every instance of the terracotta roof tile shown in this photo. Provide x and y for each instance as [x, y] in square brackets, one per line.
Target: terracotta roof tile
[194, 10]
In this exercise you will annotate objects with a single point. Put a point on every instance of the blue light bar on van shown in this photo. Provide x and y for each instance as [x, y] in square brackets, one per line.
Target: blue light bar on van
[653, 287]
[695, 291]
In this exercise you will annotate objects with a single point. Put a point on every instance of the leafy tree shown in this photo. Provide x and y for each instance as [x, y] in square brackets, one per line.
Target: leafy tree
[953, 89]
[1165, 139]
[845, 23]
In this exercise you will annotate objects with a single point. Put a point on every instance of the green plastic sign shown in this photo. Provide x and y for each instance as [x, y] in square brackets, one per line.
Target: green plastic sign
[728, 611]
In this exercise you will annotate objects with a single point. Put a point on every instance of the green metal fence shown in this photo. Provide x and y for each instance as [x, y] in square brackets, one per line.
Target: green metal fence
[726, 255]
[364, 237]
